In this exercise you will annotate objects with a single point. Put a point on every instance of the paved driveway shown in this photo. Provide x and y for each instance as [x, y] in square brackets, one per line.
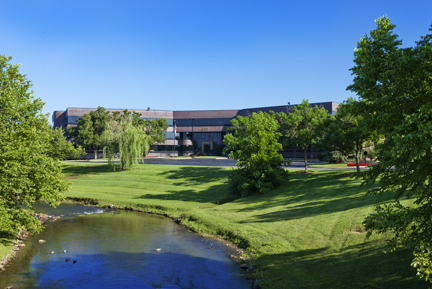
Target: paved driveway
[224, 162]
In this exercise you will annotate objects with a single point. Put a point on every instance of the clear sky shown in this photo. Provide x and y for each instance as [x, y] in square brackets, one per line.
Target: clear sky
[194, 55]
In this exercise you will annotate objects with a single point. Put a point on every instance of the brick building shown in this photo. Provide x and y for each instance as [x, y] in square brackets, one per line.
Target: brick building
[205, 127]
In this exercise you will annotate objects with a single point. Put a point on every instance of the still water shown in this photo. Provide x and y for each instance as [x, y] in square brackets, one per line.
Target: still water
[117, 249]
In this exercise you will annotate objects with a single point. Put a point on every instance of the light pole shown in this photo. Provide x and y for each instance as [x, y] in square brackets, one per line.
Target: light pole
[193, 149]
[174, 138]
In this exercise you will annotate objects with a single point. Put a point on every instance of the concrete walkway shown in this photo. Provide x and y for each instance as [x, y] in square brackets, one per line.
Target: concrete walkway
[225, 162]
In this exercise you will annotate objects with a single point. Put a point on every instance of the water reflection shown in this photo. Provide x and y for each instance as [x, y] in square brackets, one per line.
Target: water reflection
[116, 249]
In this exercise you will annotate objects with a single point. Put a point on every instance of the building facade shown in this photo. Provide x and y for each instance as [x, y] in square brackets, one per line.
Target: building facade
[199, 130]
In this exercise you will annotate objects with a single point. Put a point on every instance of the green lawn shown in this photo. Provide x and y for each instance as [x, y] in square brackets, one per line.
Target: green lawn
[306, 234]
[6, 245]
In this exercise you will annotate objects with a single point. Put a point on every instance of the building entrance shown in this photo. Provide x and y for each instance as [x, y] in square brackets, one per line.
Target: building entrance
[206, 147]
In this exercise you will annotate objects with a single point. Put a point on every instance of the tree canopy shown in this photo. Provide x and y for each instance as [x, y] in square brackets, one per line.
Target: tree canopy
[253, 141]
[303, 127]
[90, 128]
[27, 172]
[124, 140]
[60, 149]
[395, 98]
[346, 134]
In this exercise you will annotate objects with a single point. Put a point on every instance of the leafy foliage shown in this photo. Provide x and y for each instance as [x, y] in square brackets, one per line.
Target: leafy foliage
[121, 138]
[27, 172]
[90, 127]
[124, 134]
[394, 89]
[60, 149]
[253, 141]
[303, 127]
[346, 134]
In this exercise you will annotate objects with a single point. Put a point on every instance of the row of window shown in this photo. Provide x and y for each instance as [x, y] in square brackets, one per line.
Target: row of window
[203, 122]
[171, 148]
[74, 120]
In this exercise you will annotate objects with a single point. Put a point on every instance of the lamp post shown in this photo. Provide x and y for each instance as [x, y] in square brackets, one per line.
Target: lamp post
[193, 149]
[174, 137]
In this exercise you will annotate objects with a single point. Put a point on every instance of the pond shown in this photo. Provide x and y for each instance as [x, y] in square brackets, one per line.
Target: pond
[117, 249]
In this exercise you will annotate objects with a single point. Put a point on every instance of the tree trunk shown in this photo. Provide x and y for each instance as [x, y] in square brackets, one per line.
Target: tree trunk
[95, 152]
[357, 162]
[305, 158]
[311, 153]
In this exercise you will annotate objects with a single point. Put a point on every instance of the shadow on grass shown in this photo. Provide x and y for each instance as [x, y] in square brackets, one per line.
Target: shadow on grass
[6, 238]
[310, 195]
[212, 179]
[77, 169]
[360, 266]
[196, 175]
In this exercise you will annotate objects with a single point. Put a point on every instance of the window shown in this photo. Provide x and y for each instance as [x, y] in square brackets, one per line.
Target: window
[204, 122]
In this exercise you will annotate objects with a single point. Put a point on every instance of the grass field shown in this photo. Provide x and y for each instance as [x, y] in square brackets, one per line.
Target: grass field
[306, 234]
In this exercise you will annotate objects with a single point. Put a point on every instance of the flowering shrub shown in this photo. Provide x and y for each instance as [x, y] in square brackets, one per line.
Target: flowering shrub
[361, 164]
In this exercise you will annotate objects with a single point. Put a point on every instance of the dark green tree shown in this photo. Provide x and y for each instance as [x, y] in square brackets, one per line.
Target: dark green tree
[303, 127]
[395, 98]
[90, 128]
[27, 172]
[155, 130]
[346, 134]
[253, 141]
[60, 149]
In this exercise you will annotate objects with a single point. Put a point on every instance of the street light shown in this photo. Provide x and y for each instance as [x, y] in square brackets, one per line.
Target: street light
[174, 138]
[193, 149]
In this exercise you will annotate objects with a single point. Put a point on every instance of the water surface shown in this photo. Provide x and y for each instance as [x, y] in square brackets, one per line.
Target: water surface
[117, 249]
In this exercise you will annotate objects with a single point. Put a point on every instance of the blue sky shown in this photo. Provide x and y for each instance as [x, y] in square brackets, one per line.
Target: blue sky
[194, 55]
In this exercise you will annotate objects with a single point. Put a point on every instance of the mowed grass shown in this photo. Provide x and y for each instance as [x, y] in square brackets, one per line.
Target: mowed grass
[174, 189]
[305, 234]
[6, 244]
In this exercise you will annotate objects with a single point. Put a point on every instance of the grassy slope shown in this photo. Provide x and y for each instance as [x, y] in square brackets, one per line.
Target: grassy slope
[307, 234]
[6, 245]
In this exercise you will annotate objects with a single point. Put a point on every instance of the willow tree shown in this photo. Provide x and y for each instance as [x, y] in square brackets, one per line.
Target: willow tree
[124, 141]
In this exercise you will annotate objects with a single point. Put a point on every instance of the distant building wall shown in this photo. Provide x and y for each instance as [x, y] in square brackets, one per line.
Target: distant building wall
[206, 128]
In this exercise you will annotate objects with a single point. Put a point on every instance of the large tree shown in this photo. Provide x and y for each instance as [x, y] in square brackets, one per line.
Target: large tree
[253, 141]
[27, 172]
[90, 128]
[346, 134]
[395, 98]
[60, 149]
[124, 140]
[303, 126]
[130, 137]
